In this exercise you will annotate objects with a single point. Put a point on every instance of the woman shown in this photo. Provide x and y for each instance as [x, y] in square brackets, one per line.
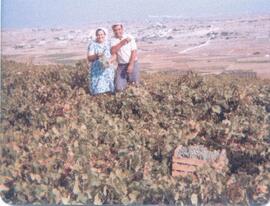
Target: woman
[101, 72]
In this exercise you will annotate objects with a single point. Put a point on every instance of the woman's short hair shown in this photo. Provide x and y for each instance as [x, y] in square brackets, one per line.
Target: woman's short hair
[98, 30]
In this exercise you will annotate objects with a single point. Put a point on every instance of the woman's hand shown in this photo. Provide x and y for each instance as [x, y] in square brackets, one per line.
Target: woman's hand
[94, 57]
[98, 55]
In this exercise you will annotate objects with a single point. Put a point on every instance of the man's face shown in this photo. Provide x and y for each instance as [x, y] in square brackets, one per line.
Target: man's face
[118, 31]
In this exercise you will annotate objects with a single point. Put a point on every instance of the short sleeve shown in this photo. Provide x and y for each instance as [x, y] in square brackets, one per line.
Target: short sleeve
[133, 44]
[91, 49]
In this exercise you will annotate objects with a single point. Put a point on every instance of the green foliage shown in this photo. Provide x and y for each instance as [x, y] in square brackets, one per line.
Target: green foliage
[61, 145]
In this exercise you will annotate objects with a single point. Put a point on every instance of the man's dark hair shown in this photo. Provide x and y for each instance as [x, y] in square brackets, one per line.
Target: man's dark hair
[115, 25]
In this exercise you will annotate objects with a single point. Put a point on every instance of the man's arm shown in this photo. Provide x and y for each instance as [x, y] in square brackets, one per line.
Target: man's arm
[132, 60]
[115, 48]
[112, 59]
[133, 56]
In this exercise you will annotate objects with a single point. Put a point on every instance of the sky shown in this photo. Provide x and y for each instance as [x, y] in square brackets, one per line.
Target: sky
[53, 13]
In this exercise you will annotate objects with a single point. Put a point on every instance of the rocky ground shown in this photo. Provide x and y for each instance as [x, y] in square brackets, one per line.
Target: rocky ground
[60, 145]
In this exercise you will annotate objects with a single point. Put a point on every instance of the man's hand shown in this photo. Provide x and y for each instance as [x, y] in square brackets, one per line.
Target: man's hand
[130, 68]
[131, 61]
[126, 41]
[118, 46]
[112, 59]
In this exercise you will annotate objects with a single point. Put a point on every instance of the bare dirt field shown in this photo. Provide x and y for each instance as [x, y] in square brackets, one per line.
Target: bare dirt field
[205, 46]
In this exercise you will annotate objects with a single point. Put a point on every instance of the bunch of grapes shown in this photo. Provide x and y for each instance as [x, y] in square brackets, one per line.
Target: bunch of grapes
[198, 152]
[104, 62]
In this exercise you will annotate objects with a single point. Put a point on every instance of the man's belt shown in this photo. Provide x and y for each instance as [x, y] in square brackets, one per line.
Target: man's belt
[123, 64]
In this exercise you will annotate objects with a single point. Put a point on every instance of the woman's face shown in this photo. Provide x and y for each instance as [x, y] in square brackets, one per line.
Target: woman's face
[100, 36]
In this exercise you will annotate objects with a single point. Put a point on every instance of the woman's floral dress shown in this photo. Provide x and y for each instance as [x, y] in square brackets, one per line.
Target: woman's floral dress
[101, 79]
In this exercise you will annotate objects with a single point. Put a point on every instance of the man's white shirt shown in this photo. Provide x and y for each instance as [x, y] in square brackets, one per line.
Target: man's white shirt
[124, 53]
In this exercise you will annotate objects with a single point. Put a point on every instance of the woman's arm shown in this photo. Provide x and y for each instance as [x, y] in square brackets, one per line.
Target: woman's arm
[93, 57]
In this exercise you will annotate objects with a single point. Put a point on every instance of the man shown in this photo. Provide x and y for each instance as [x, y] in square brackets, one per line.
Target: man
[125, 48]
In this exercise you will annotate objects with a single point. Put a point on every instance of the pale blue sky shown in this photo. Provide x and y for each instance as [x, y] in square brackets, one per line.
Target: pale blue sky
[49, 13]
